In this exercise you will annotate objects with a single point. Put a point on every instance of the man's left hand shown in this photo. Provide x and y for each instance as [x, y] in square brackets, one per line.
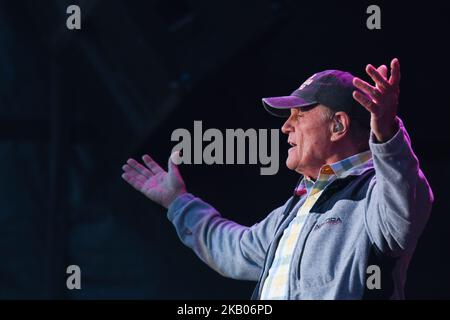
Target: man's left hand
[380, 100]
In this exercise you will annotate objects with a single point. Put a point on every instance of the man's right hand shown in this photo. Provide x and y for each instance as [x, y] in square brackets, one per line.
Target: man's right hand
[153, 181]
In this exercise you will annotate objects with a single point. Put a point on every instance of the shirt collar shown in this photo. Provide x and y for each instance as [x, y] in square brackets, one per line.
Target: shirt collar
[353, 165]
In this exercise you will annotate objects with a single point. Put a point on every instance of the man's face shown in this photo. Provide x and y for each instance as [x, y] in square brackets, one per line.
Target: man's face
[309, 134]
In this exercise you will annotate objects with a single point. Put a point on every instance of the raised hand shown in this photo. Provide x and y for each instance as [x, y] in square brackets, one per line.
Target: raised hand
[381, 100]
[154, 182]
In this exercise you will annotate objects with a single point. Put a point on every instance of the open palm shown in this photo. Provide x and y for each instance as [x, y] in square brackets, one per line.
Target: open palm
[154, 182]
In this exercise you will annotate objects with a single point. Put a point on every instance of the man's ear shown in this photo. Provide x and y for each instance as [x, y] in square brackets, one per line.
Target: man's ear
[340, 125]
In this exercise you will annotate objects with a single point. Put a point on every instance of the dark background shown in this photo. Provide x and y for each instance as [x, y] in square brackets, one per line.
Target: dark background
[75, 105]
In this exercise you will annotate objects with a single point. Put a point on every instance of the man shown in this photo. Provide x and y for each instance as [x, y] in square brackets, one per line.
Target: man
[351, 227]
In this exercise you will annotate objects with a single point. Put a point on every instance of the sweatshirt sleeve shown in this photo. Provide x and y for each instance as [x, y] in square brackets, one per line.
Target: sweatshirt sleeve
[233, 250]
[400, 198]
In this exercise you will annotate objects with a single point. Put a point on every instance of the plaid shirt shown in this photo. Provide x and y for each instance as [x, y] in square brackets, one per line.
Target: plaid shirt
[276, 284]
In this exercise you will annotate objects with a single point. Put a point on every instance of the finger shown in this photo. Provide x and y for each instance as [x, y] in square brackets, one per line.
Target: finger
[395, 72]
[133, 173]
[136, 176]
[366, 88]
[139, 168]
[365, 101]
[176, 158]
[377, 77]
[383, 70]
[174, 161]
[129, 169]
[151, 164]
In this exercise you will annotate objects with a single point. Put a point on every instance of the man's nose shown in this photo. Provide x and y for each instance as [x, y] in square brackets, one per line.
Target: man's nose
[286, 128]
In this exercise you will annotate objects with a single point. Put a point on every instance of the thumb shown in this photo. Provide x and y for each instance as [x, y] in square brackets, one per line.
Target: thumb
[174, 161]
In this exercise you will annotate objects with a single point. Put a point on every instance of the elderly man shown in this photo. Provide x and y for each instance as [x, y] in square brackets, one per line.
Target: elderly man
[357, 212]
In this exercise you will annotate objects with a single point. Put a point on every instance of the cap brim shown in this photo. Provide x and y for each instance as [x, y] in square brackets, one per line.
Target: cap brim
[280, 106]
